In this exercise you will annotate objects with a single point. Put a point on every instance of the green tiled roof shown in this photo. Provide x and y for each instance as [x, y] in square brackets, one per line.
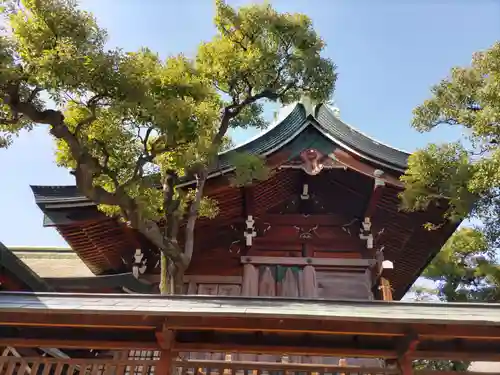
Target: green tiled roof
[358, 141]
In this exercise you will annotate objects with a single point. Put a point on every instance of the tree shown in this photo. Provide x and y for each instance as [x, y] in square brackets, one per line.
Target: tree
[126, 123]
[464, 176]
[465, 173]
[465, 270]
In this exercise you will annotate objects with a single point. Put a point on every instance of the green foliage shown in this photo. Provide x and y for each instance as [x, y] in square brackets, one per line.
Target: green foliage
[128, 122]
[438, 173]
[436, 365]
[258, 50]
[468, 178]
[467, 174]
[248, 168]
[466, 270]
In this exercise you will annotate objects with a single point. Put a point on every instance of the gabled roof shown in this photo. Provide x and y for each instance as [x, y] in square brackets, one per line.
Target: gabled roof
[21, 271]
[45, 276]
[295, 123]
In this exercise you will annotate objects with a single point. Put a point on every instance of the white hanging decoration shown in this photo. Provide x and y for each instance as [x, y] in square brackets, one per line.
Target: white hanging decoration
[305, 192]
[365, 232]
[250, 232]
[139, 266]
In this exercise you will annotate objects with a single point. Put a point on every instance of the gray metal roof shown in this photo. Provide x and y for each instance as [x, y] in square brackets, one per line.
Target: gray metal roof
[114, 304]
[18, 268]
[272, 140]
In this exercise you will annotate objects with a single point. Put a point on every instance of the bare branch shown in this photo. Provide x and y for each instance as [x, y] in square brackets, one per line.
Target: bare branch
[34, 93]
[88, 167]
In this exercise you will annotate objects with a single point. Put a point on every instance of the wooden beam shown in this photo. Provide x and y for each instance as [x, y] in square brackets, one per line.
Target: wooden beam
[361, 167]
[201, 279]
[304, 220]
[344, 245]
[299, 261]
[324, 327]
[78, 344]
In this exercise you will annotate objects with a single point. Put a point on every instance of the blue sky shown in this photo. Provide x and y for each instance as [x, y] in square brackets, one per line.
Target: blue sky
[388, 54]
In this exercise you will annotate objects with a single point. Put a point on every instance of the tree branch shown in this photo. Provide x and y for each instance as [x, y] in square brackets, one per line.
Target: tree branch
[87, 166]
[192, 216]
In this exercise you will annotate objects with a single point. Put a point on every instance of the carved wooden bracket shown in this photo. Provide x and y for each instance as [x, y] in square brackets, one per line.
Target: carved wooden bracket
[306, 233]
[312, 162]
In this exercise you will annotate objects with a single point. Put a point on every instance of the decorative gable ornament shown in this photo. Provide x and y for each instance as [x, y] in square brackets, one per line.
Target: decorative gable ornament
[366, 232]
[250, 232]
[139, 266]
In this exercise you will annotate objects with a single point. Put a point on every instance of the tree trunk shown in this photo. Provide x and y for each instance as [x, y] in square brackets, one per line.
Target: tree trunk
[165, 277]
[171, 276]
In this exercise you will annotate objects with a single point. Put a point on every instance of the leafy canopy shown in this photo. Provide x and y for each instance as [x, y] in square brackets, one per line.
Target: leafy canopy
[466, 173]
[466, 270]
[127, 123]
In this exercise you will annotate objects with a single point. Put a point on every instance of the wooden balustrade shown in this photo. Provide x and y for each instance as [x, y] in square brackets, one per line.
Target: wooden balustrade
[74, 366]
[86, 366]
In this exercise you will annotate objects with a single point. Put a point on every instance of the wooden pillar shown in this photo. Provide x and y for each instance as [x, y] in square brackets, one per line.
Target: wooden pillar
[165, 364]
[386, 289]
[342, 363]
[309, 282]
[250, 287]
[384, 283]
[405, 365]
[165, 339]
[406, 347]
[119, 355]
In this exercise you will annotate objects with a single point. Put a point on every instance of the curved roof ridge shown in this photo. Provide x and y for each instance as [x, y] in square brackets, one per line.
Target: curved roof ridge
[375, 140]
[280, 118]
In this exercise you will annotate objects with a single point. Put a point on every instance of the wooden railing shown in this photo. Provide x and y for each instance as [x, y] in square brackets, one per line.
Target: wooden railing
[73, 366]
[208, 367]
[85, 366]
